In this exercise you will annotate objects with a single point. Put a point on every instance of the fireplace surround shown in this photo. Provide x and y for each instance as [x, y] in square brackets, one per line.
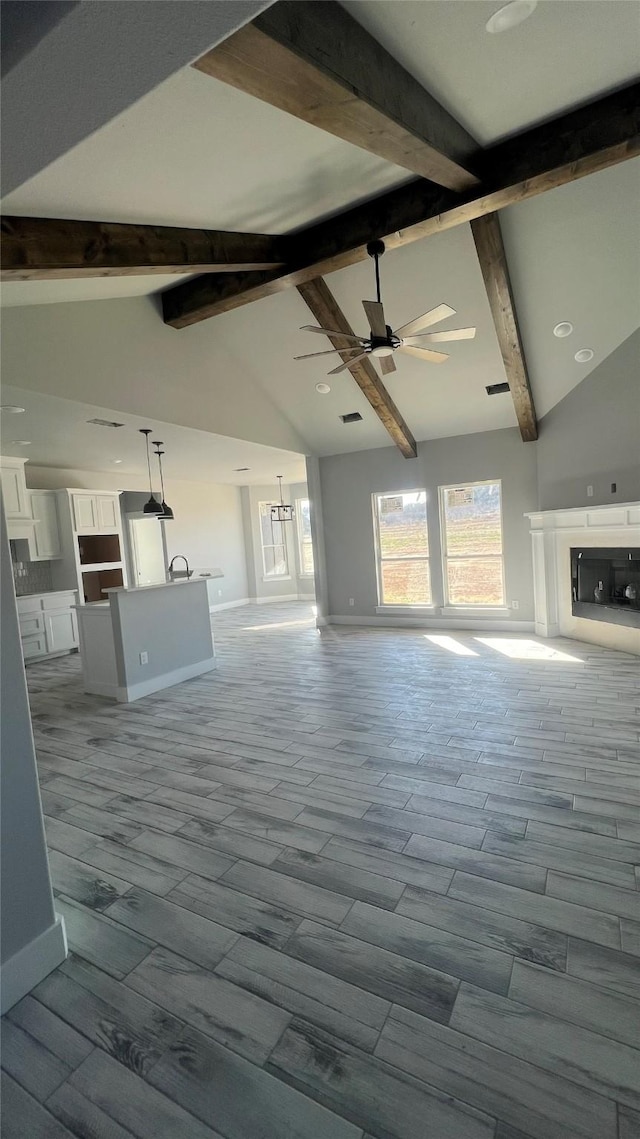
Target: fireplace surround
[554, 535]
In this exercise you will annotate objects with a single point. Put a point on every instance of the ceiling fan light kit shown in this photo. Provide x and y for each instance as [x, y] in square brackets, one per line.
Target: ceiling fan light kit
[383, 342]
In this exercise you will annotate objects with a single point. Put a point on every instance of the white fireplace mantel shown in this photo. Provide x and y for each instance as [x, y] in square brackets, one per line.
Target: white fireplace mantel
[553, 533]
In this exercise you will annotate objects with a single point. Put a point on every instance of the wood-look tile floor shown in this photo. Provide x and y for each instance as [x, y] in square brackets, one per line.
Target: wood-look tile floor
[356, 883]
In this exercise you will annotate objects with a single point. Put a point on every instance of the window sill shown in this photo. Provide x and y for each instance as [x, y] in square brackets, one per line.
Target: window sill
[456, 610]
[308, 576]
[278, 577]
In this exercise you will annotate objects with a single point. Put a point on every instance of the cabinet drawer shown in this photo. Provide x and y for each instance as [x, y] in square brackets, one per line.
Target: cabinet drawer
[29, 604]
[59, 600]
[34, 646]
[30, 624]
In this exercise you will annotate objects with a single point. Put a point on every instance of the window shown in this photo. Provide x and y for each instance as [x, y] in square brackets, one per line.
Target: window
[274, 544]
[402, 547]
[471, 519]
[305, 545]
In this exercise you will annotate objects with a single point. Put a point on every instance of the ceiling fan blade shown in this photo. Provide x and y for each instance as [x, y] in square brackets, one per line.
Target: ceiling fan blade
[332, 332]
[387, 365]
[453, 334]
[424, 354]
[376, 318]
[441, 312]
[347, 364]
[443, 337]
[329, 352]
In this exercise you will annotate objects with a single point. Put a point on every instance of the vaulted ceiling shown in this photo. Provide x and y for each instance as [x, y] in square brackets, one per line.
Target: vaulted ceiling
[196, 152]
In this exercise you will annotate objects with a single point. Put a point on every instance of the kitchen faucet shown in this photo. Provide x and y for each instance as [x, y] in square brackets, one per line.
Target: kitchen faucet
[174, 574]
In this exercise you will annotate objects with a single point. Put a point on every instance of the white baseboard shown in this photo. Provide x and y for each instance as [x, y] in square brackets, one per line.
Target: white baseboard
[31, 964]
[271, 600]
[230, 604]
[128, 694]
[451, 623]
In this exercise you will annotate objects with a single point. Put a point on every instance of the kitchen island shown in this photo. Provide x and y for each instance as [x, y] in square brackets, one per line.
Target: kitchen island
[145, 638]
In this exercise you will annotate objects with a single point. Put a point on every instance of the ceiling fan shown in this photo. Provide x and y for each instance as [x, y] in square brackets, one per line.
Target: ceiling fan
[383, 342]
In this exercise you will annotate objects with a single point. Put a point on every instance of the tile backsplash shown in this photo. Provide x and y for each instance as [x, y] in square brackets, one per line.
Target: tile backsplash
[30, 577]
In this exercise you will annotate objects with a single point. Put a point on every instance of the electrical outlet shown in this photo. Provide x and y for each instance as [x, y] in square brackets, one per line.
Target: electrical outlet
[144, 658]
[352, 601]
[515, 604]
[219, 593]
[589, 492]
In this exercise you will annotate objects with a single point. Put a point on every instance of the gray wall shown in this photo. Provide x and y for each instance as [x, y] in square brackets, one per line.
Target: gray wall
[27, 901]
[592, 437]
[348, 482]
[171, 624]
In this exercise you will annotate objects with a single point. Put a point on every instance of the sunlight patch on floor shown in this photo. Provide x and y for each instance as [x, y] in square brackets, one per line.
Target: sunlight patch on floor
[518, 648]
[444, 642]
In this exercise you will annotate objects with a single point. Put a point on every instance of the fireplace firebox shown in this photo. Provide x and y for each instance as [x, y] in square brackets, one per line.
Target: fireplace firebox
[605, 584]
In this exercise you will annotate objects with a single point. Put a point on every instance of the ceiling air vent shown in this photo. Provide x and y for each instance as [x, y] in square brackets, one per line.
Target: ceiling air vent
[497, 389]
[105, 423]
[238, 469]
[352, 417]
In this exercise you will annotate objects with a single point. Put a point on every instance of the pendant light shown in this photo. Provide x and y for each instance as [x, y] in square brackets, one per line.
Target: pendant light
[281, 511]
[167, 512]
[152, 506]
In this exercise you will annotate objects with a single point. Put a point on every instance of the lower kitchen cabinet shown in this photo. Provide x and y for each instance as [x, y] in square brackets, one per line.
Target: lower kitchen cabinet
[48, 624]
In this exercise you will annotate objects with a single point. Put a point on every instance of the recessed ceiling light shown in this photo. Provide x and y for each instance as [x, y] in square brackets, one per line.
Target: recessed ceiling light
[324, 389]
[510, 16]
[21, 442]
[584, 355]
[11, 409]
[116, 460]
[565, 328]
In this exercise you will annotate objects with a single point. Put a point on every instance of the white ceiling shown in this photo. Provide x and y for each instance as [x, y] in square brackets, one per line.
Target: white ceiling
[61, 437]
[195, 152]
[568, 52]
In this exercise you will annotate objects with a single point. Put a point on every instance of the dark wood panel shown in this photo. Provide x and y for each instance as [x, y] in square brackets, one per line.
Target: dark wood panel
[41, 249]
[313, 60]
[495, 271]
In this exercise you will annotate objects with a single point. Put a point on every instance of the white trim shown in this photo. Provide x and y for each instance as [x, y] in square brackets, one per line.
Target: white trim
[31, 964]
[478, 610]
[276, 577]
[492, 626]
[229, 604]
[281, 597]
[129, 693]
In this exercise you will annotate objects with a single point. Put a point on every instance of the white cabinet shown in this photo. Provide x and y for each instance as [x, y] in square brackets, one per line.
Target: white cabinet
[48, 623]
[108, 512]
[46, 531]
[95, 513]
[85, 513]
[61, 630]
[14, 488]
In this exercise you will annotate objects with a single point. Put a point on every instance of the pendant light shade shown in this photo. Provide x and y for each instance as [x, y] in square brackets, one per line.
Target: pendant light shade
[152, 506]
[167, 512]
[281, 511]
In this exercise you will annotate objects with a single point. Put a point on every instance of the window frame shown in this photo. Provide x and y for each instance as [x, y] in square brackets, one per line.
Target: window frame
[266, 576]
[298, 515]
[451, 605]
[385, 605]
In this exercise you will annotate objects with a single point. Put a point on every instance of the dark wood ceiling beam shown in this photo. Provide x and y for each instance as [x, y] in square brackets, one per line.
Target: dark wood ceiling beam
[313, 60]
[495, 271]
[41, 249]
[328, 314]
[572, 146]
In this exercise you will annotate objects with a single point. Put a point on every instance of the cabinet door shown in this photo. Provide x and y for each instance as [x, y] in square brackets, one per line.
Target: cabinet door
[34, 646]
[14, 492]
[61, 629]
[108, 512]
[31, 624]
[47, 537]
[85, 513]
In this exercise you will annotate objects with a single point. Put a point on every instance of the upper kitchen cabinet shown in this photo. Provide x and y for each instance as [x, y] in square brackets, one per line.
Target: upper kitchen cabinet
[95, 513]
[46, 535]
[14, 488]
